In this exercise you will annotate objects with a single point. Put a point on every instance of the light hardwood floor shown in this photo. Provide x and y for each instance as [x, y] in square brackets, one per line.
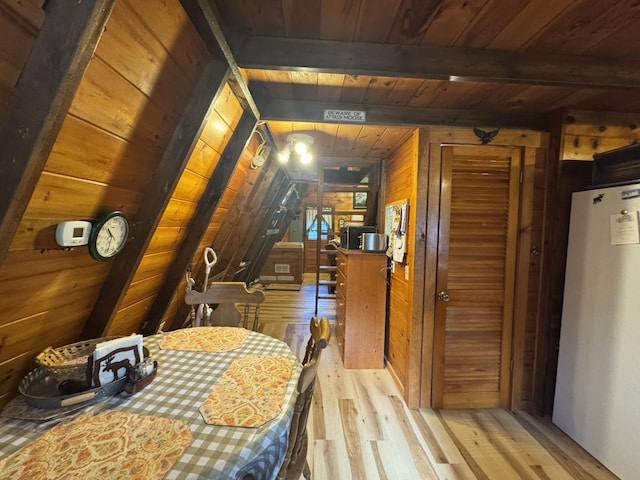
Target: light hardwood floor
[360, 427]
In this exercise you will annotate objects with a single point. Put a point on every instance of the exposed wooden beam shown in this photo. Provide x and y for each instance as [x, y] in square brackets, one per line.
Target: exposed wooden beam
[48, 82]
[205, 18]
[456, 64]
[313, 111]
[198, 226]
[156, 198]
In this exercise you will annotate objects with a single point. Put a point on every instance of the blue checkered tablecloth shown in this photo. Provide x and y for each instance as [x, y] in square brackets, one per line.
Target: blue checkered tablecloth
[183, 381]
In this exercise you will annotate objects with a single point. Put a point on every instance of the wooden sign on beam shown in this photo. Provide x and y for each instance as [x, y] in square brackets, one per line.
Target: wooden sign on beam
[355, 116]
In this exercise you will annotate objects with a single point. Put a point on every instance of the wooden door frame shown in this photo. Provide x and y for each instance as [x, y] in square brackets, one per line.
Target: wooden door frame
[424, 284]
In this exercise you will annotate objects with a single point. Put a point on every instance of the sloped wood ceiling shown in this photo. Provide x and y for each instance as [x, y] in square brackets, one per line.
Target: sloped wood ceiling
[116, 105]
[451, 62]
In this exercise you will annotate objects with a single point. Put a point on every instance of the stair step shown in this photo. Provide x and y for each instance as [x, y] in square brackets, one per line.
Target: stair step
[327, 296]
[328, 268]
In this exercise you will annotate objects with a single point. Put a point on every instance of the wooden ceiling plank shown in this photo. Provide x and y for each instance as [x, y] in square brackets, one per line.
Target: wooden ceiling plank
[156, 198]
[425, 94]
[486, 25]
[375, 20]
[367, 139]
[48, 82]
[309, 111]
[448, 94]
[403, 90]
[338, 18]
[354, 88]
[301, 18]
[305, 85]
[345, 139]
[451, 21]
[530, 23]
[582, 28]
[279, 83]
[379, 90]
[621, 43]
[443, 63]
[330, 86]
[198, 225]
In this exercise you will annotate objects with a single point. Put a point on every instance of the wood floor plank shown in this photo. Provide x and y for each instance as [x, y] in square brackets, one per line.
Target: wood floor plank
[359, 426]
[423, 458]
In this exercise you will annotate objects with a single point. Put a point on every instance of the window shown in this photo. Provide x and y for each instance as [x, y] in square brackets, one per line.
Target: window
[311, 229]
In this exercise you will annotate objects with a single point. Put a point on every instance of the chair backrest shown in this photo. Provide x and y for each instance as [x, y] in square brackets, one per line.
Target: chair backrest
[295, 461]
[320, 334]
[226, 295]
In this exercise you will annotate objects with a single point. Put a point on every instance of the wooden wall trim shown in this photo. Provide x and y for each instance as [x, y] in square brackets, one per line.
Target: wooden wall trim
[421, 344]
[198, 226]
[156, 198]
[521, 276]
[48, 82]
[433, 180]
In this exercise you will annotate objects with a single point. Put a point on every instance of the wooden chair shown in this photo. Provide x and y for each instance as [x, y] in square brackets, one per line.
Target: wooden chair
[295, 460]
[227, 295]
[320, 334]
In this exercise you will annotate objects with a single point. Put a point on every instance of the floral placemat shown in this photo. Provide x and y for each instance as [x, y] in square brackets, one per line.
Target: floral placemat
[250, 392]
[108, 445]
[205, 339]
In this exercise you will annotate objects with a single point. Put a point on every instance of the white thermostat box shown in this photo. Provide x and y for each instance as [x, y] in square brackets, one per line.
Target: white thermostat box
[73, 233]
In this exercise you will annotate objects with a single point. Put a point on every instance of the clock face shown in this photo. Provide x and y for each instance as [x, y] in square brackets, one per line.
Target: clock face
[109, 236]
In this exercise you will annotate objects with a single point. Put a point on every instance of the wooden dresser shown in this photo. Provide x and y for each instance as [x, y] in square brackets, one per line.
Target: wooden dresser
[361, 296]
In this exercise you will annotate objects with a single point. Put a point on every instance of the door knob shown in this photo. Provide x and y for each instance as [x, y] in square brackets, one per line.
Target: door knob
[444, 296]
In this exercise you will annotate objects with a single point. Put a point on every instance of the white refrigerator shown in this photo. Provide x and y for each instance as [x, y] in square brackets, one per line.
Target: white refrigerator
[597, 396]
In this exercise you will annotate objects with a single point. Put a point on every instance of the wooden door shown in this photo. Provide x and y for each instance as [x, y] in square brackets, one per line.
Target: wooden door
[475, 276]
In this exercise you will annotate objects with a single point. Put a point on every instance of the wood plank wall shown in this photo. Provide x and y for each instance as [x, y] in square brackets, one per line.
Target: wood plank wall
[400, 184]
[177, 216]
[579, 135]
[121, 118]
[222, 230]
[20, 23]
[585, 133]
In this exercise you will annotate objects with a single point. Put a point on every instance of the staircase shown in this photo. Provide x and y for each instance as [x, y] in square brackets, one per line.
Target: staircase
[348, 180]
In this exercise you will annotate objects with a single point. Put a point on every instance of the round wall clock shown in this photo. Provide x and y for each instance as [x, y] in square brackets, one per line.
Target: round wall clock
[108, 236]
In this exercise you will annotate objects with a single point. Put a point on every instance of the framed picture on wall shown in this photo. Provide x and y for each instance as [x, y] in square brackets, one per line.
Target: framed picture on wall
[359, 200]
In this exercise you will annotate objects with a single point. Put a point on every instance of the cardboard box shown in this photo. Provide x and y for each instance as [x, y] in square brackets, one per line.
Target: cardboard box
[285, 264]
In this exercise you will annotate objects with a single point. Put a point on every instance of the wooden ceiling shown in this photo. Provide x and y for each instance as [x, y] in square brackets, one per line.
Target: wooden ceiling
[486, 63]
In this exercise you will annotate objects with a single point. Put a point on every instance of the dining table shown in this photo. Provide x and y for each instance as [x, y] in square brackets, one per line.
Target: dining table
[192, 365]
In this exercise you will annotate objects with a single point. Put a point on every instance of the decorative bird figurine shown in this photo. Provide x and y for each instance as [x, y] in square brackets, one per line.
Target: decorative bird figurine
[485, 137]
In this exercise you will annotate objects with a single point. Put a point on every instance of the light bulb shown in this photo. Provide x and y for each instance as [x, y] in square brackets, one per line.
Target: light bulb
[284, 154]
[305, 158]
[301, 148]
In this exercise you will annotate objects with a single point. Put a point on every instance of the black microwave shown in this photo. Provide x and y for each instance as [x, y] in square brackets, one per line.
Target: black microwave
[351, 237]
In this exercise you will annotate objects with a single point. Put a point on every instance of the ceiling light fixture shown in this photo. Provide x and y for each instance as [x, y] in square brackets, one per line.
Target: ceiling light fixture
[300, 144]
[262, 152]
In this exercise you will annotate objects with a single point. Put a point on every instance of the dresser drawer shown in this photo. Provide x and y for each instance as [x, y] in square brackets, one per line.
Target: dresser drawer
[341, 284]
